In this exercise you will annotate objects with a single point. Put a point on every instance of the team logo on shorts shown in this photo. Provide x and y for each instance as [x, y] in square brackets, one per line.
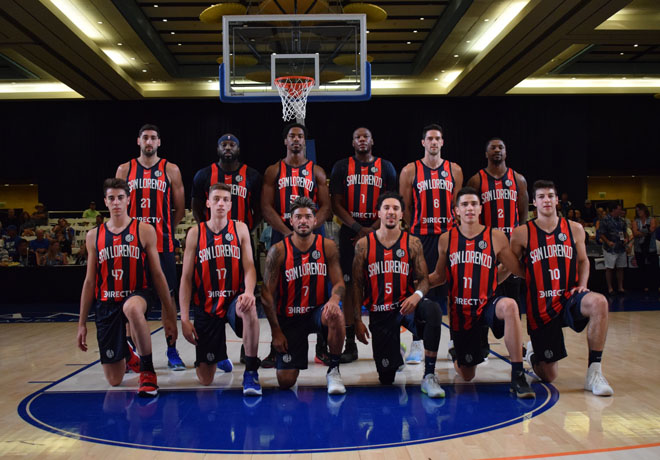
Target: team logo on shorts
[316, 255]
[158, 173]
[304, 172]
[129, 238]
[385, 362]
[400, 253]
[508, 183]
[286, 358]
[229, 237]
[210, 357]
[468, 358]
[347, 278]
[444, 174]
[110, 354]
[239, 178]
[562, 237]
[548, 354]
[482, 245]
[374, 169]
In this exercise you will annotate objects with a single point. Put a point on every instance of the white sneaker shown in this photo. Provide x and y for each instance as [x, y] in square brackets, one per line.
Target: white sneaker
[431, 387]
[596, 383]
[450, 350]
[416, 354]
[335, 384]
[530, 352]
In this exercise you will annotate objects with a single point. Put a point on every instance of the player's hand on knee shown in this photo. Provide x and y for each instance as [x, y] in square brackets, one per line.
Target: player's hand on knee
[82, 337]
[409, 304]
[361, 332]
[331, 311]
[279, 342]
[189, 332]
[245, 302]
[579, 289]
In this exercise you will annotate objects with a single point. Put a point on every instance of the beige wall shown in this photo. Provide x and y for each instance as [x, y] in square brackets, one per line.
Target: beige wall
[630, 189]
[19, 196]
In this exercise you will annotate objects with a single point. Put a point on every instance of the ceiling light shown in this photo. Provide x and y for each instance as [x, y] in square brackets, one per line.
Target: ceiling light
[144, 70]
[435, 79]
[132, 59]
[116, 56]
[414, 31]
[620, 54]
[39, 88]
[449, 77]
[164, 20]
[171, 33]
[456, 55]
[499, 25]
[635, 45]
[78, 19]
[421, 19]
[367, 31]
[407, 43]
[589, 83]
[210, 81]
[442, 71]
[120, 44]
[178, 44]
[486, 20]
[467, 41]
[155, 6]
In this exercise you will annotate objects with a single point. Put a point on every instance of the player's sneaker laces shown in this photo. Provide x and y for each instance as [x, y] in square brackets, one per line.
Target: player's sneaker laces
[269, 361]
[173, 360]
[335, 384]
[132, 362]
[350, 353]
[226, 366]
[596, 382]
[416, 354]
[251, 386]
[431, 387]
[521, 388]
[148, 384]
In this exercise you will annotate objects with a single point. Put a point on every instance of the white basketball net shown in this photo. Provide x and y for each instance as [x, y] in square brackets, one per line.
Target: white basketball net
[293, 92]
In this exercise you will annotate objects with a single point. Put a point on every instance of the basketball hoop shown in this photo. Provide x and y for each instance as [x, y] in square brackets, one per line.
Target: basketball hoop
[293, 92]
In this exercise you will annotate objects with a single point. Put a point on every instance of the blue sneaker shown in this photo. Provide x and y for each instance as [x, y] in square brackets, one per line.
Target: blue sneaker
[251, 386]
[416, 354]
[173, 360]
[226, 366]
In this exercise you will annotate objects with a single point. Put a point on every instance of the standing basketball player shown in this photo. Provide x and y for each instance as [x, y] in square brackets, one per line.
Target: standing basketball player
[295, 297]
[557, 271]
[355, 184]
[428, 187]
[390, 278]
[219, 275]
[467, 260]
[156, 188]
[286, 180]
[119, 253]
[503, 193]
[245, 183]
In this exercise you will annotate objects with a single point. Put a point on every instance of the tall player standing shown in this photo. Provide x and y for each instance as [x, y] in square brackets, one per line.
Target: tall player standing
[157, 197]
[219, 276]
[356, 183]
[428, 187]
[119, 253]
[557, 272]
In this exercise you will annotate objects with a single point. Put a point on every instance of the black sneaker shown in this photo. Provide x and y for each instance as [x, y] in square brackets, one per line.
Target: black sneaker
[269, 361]
[521, 388]
[350, 353]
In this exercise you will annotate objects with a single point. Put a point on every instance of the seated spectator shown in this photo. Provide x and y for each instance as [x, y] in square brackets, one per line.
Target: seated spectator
[589, 213]
[91, 212]
[40, 216]
[99, 220]
[23, 255]
[570, 214]
[27, 223]
[11, 219]
[4, 255]
[39, 246]
[54, 255]
[81, 257]
[578, 216]
[65, 245]
[11, 240]
[565, 204]
[646, 252]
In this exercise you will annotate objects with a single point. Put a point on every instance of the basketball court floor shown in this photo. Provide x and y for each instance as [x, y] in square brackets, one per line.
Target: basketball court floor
[56, 404]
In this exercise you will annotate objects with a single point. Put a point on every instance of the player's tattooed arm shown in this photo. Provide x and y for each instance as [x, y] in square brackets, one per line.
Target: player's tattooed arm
[421, 273]
[360, 258]
[271, 274]
[334, 269]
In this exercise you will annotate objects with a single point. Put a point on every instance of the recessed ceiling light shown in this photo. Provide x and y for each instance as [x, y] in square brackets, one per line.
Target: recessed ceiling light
[414, 31]
[172, 33]
[144, 70]
[155, 6]
[164, 20]
[435, 79]
[99, 22]
[486, 20]
[572, 78]
[467, 41]
[623, 78]
[132, 59]
[456, 55]
[635, 45]
[442, 71]
[367, 31]
[120, 44]
[178, 44]
[407, 43]
[210, 81]
[421, 19]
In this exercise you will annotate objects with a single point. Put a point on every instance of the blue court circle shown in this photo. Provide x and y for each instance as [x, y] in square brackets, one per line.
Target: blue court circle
[281, 421]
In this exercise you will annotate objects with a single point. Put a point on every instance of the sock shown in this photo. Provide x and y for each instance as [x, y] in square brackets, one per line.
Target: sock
[595, 356]
[516, 369]
[129, 339]
[429, 365]
[146, 364]
[350, 334]
[171, 343]
[334, 361]
[251, 363]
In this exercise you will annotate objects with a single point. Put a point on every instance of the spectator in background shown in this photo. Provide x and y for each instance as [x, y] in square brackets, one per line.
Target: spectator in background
[40, 216]
[565, 204]
[69, 232]
[614, 236]
[4, 255]
[646, 252]
[571, 214]
[65, 245]
[589, 213]
[27, 223]
[11, 240]
[23, 255]
[39, 246]
[81, 257]
[99, 220]
[91, 212]
[578, 217]
[12, 218]
[54, 255]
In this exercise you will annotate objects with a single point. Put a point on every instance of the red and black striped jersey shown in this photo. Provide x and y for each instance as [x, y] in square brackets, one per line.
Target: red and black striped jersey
[303, 277]
[433, 192]
[121, 263]
[551, 271]
[218, 272]
[292, 182]
[471, 276]
[499, 199]
[150, 200]
[388, 272]
[241, 192]
[364, 183]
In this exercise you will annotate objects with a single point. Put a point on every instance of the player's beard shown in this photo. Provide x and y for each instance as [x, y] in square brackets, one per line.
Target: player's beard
[303, 233]
[391, 226]
[148, 153]
[228, 158]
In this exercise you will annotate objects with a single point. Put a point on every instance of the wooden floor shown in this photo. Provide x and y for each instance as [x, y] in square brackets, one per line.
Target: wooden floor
[626, 425]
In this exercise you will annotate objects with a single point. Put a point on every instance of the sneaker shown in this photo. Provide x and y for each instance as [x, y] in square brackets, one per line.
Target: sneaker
[596, 383]
[451, 351]
[148, 384]
[521, 388]
[226, 366]
[431, 387]
[529, 352]
[251, 386]
[174, 361]
[269, 361]
[416, 354]
[335, 384]
[133, 362]
[350, 353]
